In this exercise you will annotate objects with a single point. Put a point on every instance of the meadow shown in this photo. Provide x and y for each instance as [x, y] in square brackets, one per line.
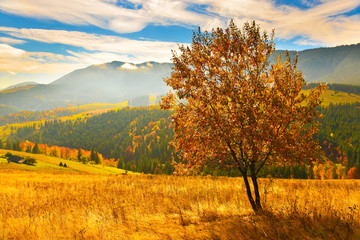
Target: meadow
[73, 205]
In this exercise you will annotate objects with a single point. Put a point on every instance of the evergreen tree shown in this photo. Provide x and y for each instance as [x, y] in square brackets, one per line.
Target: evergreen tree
[334, 174]
[36, 149]
[121, 163]
[79, 155]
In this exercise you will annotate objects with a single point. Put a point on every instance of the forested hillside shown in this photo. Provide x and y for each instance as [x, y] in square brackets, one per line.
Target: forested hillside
[339, 133]
[138, 137]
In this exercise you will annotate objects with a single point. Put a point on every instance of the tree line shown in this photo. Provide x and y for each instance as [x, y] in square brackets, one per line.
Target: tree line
[138, 140]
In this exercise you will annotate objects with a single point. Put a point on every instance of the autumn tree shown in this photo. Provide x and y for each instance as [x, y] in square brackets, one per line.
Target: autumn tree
[353, 173]
[233, 108]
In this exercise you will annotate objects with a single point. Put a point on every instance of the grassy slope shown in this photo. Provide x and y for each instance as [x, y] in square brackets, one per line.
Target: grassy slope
[337, 97]
[51, 164]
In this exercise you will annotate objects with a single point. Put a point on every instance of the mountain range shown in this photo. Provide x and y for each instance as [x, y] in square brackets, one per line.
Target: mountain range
[112, 82]
[116, 81]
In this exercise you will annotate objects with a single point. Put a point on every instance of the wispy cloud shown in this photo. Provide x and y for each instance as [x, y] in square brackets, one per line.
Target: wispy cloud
[11, 40]
[14, 60]
[156, 50]
[106, 14]
[325, 22]
[322, 21]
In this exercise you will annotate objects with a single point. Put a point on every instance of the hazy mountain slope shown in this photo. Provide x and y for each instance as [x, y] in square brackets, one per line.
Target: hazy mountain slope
[333, 65]
[37, 98]
[115, 81]
[106, 83]
[23, 84]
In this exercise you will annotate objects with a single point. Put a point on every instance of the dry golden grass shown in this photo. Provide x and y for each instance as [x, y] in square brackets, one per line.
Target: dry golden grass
[38, 205]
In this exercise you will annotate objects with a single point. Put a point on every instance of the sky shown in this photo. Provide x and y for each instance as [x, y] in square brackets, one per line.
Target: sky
[42, 40]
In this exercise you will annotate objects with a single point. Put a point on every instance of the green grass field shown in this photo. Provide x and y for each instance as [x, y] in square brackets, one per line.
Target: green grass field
[337, 97]
[51, 164]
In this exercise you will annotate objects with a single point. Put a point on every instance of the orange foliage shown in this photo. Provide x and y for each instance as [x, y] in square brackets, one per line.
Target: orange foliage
[66, 153]
[353, 173]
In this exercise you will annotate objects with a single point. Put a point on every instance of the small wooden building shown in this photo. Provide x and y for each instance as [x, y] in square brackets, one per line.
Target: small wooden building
[16, 159]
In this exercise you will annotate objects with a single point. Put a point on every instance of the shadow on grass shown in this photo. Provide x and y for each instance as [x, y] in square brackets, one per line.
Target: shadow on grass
[278, 226]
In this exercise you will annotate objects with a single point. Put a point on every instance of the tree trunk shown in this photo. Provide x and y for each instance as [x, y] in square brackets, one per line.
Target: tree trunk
[257, 194]
[256, 205]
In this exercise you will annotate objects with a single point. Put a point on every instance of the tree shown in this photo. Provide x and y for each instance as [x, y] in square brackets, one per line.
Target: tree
[94, 156]
[121, 163]
[30, 161]
[353, 173]
[231, 107]
[36, 149]
[79, 155]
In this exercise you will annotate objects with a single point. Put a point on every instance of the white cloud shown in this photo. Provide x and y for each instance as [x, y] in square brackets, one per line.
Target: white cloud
[109, 46]
[13, 60]
[8, 51]
[97, 50]
[11, 40]
[323, 21]
[105, 14]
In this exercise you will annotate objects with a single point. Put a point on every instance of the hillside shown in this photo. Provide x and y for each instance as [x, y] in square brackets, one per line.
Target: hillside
[139, 137]
[50, 164]
[23, 84]
[6, 110]
[331, 65]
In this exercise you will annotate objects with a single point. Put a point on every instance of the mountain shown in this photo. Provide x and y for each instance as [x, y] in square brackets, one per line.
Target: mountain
[105, 83]
[332, 65]
[116, 82]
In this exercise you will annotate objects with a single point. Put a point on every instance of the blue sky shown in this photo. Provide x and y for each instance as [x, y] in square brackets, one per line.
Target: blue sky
[42, 40]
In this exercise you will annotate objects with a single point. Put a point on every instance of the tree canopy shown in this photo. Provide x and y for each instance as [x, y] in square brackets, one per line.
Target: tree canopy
[231, 107]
